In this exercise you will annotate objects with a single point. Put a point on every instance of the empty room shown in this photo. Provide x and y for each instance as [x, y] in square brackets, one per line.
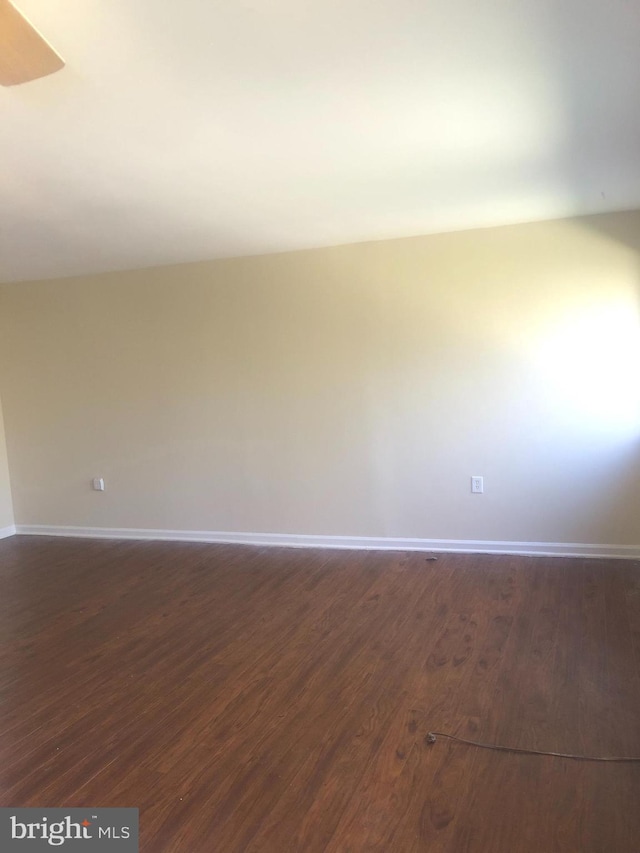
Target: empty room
[320, 426]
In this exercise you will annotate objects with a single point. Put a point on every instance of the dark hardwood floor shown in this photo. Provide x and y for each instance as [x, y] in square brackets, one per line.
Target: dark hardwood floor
[250, 699]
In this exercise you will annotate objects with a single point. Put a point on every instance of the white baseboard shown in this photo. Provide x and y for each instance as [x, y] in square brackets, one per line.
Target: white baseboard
[549, 549]
[7, 531]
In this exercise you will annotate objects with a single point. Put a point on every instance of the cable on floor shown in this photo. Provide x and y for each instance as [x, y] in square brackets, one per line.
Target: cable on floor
[433, 736]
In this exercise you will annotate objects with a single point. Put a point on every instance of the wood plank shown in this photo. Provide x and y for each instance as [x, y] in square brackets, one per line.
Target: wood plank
[254, 699]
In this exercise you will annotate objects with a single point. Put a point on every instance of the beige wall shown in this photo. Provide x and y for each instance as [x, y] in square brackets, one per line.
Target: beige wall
[347, 391]
[6, 506]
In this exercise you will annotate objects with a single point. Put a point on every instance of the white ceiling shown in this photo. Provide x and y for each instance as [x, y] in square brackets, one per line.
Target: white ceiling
[205, 128]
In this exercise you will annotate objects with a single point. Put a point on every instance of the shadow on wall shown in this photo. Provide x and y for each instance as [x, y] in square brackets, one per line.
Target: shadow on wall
[593, 77]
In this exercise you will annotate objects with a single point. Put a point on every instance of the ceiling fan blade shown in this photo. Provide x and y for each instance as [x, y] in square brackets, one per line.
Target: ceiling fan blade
[24, 54]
